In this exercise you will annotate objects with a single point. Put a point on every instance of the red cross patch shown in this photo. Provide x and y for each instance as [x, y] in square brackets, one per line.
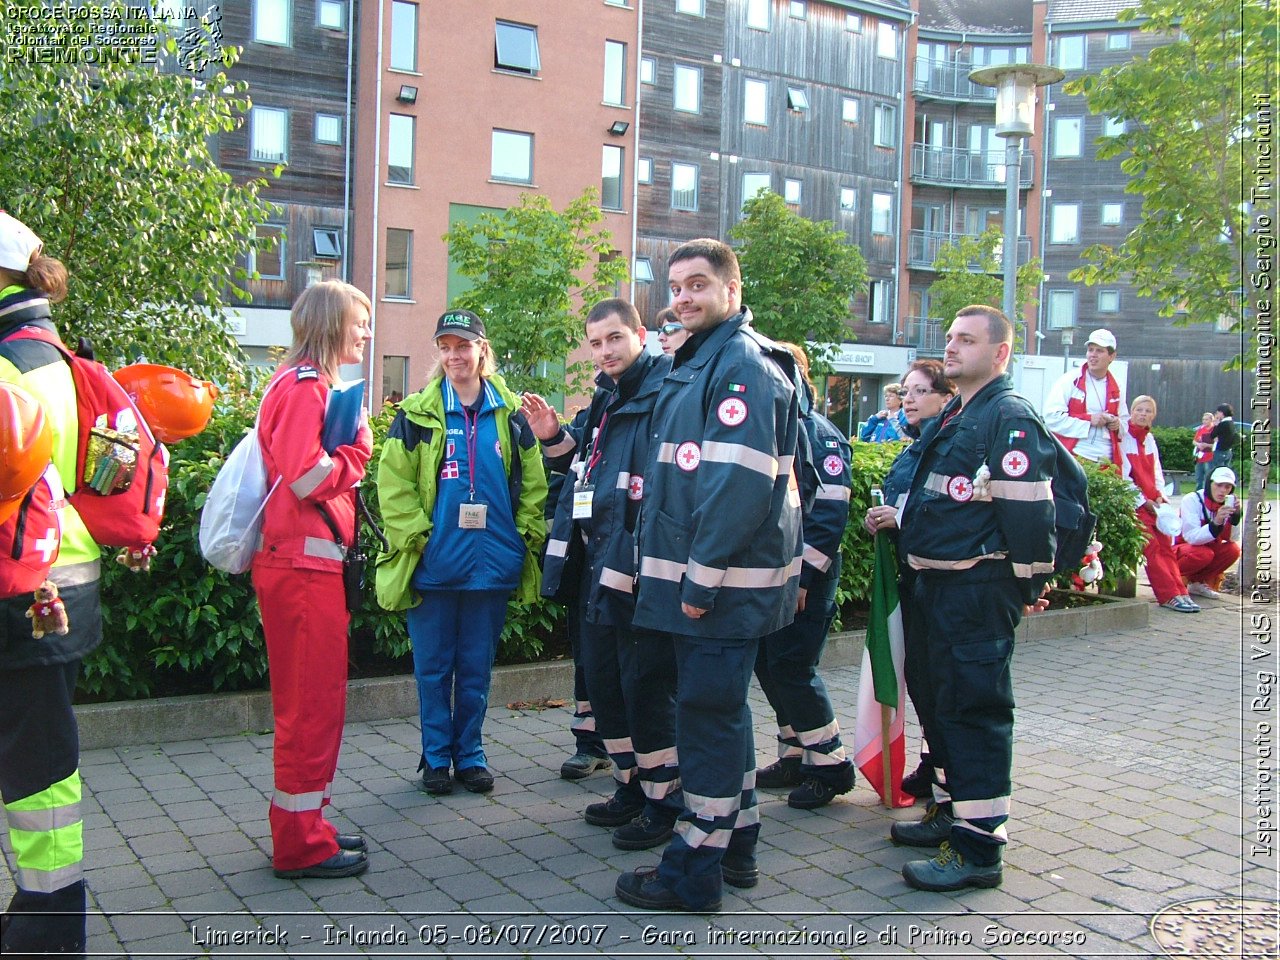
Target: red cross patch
[732, 412]
[1015, 463]
[833, 465]
[450, 470]
[688, 456]
[635, 487]
[960, 489]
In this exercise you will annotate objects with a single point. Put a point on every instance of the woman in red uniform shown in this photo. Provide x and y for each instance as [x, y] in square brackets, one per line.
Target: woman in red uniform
[297, 575]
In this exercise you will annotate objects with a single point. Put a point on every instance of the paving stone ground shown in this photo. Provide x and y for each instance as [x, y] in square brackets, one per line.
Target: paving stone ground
[1134, 791]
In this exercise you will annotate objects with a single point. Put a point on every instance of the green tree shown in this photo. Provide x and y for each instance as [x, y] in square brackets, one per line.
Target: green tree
[106, 156]
[1188, 143]
[798, 275]
[958, 285]
[535, 274]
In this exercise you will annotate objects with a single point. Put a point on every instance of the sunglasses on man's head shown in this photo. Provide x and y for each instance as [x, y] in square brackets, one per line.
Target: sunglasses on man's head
[670, 328]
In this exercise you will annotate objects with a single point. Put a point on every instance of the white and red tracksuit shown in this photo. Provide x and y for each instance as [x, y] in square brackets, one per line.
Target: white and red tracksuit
[1140, 465]
[297, 575]
[1205, 550]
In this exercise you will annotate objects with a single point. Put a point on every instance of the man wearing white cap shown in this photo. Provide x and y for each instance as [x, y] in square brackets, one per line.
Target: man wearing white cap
[1210, 518]
[1085, 409]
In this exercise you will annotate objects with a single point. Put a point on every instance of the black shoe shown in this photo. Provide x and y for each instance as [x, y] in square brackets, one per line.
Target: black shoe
[476, 779]
[929, 832]
[613, 812]
[643, 889]
[642, 833]
[920, 783]
[739, 870]
[582, 765]
[344, 863]
[351, 841]
[815, 792]
[436, 780]
[780, 773]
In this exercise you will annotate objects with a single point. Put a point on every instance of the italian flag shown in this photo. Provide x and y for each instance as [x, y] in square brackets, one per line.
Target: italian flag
[882, 686]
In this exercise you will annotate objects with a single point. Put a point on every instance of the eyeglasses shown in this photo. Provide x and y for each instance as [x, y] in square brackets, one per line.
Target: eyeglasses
[669, 328]
[921, 392]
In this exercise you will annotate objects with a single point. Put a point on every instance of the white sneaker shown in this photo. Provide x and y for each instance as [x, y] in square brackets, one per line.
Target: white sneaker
[1203, 590]
[1181, 605]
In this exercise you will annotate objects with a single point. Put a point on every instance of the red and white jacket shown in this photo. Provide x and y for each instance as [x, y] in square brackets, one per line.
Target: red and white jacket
[1140, 463]
[1066, 410]
[1197, 520]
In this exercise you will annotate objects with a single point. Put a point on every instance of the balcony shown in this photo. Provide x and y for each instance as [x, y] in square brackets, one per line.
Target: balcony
[926, 335]
[944, 80]
[923, 246]
[952, 167]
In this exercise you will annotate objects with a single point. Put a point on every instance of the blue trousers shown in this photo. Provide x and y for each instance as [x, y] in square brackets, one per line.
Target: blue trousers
[586, 737]
[455, 638]
[717, 751]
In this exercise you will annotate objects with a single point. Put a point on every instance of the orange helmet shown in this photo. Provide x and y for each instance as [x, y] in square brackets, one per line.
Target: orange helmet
[26, 444]
[175, 404]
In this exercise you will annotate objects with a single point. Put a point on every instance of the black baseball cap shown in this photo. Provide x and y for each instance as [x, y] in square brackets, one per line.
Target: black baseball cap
[460, 323]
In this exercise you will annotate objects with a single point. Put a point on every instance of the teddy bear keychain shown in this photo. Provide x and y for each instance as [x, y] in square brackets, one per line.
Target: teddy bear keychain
[48, 614]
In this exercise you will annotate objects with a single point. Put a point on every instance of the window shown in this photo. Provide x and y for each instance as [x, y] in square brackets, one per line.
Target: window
[266, 256]
[1117, 41]
[1067, 136]
[1112, 214]
[399, 252]
[755, 102]
[611, 178]
[695, 8]
[1061, 309]
[648, 68]
[753, 183]
[1108, 301]
[759, 14]
[1064, 223]
[796, 9]
[512, 156]
[879, 301]
[395, 378]
[791, 190]
[684, 186]
[326, 243]
[328, 128]
[687, 95]
[644, 270]
[271, 21]
[400, 148]
[331, 14]
[886, 40]
[797, 99]
[644, 170]
[1071, 53]
[1112, 126]
[853, 22]
[516, 48]
[881, 212]
[269, 134]
[404, 35]
[848, 199]
[849, 110]
[885, 133]
[615, 72]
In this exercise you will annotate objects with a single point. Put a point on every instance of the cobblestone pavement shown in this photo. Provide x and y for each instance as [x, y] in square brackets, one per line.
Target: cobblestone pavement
[1131, 775]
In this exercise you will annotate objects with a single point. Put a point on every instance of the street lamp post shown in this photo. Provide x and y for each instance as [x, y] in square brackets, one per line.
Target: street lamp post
[1015, 85]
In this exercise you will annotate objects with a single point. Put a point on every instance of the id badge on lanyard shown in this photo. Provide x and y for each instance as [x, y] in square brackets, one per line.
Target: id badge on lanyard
[472, 515]
[582, 495]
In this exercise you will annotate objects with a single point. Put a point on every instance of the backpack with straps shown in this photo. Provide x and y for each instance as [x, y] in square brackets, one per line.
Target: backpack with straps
[29, 540]
[122, 470]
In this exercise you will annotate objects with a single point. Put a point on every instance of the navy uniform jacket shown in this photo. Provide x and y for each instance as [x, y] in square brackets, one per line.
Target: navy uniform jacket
[618, 478]
[948, 525]
[824, 486]
[721, 523]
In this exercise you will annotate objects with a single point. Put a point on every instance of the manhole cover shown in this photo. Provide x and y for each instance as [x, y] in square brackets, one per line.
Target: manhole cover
[1224, 927]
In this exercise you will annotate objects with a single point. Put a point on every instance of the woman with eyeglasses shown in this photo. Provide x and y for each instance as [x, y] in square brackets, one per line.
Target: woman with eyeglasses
[925, 391]
[671, 332]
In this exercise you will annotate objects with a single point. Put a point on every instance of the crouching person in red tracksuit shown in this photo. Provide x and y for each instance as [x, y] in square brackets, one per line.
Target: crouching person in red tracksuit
[1206, 547]
[297, 575]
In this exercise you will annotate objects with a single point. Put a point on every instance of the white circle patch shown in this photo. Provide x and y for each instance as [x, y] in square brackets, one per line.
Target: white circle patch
[635, 487]
[732, 412]
[1015, 463]
[833, 465]
[960, 489]
[497, 447]
[688, 456]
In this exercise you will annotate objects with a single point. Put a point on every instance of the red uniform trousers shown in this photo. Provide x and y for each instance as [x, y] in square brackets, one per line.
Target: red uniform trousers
[1206, 562]
[1162, 568]
[305, 620]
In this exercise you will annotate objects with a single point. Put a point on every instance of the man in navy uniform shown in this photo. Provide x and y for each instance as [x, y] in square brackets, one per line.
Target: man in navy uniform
[978, 525]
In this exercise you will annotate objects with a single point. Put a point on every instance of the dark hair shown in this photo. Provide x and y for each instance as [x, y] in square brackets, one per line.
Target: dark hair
[999, 329]
[665, 315]
[615, 306]
[802, 360]
[939, 382]
[46, 274]
[724, 262]
[1225, 410]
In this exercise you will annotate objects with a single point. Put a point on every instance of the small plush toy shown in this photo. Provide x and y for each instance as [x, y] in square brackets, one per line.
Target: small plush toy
[1090, 567]
[48, 614]
[137, 559]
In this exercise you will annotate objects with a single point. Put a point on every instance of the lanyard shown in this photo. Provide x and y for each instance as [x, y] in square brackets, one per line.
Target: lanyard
[596, 451]
[472, 429]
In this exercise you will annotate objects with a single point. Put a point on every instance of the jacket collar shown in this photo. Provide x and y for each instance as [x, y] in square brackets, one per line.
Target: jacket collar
[703, 346]
[22, 307]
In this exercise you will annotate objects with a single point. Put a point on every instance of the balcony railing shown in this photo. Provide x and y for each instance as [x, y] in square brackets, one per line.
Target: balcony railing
[944, 80]
[923, 247]
[926, 335]
[952, 167]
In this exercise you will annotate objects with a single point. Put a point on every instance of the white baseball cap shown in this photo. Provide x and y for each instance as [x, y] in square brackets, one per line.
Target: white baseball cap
[1223, 475]
[18, 244]
[1103, 338]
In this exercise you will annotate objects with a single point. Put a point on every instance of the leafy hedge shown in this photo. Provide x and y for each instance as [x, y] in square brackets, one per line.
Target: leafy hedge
[1175, 445]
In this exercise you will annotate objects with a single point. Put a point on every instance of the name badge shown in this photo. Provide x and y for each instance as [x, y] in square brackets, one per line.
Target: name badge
[582, 494]
[473, 516]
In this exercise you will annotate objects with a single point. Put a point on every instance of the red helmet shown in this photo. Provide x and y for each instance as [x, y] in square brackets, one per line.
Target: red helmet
[175, 404]
[26, 444]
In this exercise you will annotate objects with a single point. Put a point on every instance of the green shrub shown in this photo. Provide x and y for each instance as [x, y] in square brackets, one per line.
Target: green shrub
[870, 464]
[1122, 539]
[1175, 445]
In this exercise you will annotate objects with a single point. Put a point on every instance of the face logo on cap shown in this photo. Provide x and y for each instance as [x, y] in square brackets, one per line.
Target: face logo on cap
[960, 489]
[732, 412]
[455, 320]
[1015, 463]
[688, 456]
[833, 465]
